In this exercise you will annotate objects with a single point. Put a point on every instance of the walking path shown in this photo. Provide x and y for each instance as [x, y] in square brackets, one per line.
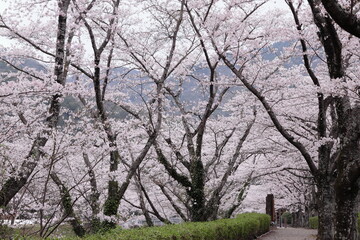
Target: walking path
[290, 234]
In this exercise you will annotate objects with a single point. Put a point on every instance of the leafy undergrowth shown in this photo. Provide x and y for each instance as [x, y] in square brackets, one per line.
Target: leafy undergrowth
[243, 227]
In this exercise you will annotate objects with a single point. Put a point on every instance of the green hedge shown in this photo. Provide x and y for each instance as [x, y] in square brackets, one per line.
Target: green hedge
[314, 222]
[243, 227]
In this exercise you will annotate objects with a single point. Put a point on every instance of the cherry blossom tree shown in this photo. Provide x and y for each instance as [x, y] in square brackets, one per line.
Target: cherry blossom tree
[64, 58]
[344, 161]
[334, 167]
[15, 183]
[205, 176]
[155, 114]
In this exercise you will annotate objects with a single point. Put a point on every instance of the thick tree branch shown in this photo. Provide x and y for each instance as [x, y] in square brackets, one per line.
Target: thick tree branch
[182, 179]
[346, 19]
[298, 145]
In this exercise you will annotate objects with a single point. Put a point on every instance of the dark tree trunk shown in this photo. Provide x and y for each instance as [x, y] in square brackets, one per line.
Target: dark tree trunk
[347, 184]
[112, 203]
[346, 217]
[113, 199]
[197, 211]
[326, 208]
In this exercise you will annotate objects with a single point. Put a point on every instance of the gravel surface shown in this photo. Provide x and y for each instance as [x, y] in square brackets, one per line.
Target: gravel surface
[290, 234]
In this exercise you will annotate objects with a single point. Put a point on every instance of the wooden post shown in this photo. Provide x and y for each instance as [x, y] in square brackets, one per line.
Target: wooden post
[270, 207]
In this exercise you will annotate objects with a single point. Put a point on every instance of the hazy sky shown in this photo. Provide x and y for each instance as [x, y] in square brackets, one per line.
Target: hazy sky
[3, 4]
[268, 6]
[278, 3]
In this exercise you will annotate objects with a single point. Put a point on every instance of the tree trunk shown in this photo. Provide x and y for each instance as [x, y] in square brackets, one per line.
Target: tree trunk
[113, 200]
[326, 208]
[112, 203]
[67, 204]
[95, 224]
[144, 210]
[197, 211]
[346, 216]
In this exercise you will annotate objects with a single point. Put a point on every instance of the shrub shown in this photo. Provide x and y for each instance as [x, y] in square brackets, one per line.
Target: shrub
[243, 227]
[314, 222]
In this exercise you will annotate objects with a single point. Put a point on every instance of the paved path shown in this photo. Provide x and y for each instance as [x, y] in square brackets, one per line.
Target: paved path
[290, 234]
